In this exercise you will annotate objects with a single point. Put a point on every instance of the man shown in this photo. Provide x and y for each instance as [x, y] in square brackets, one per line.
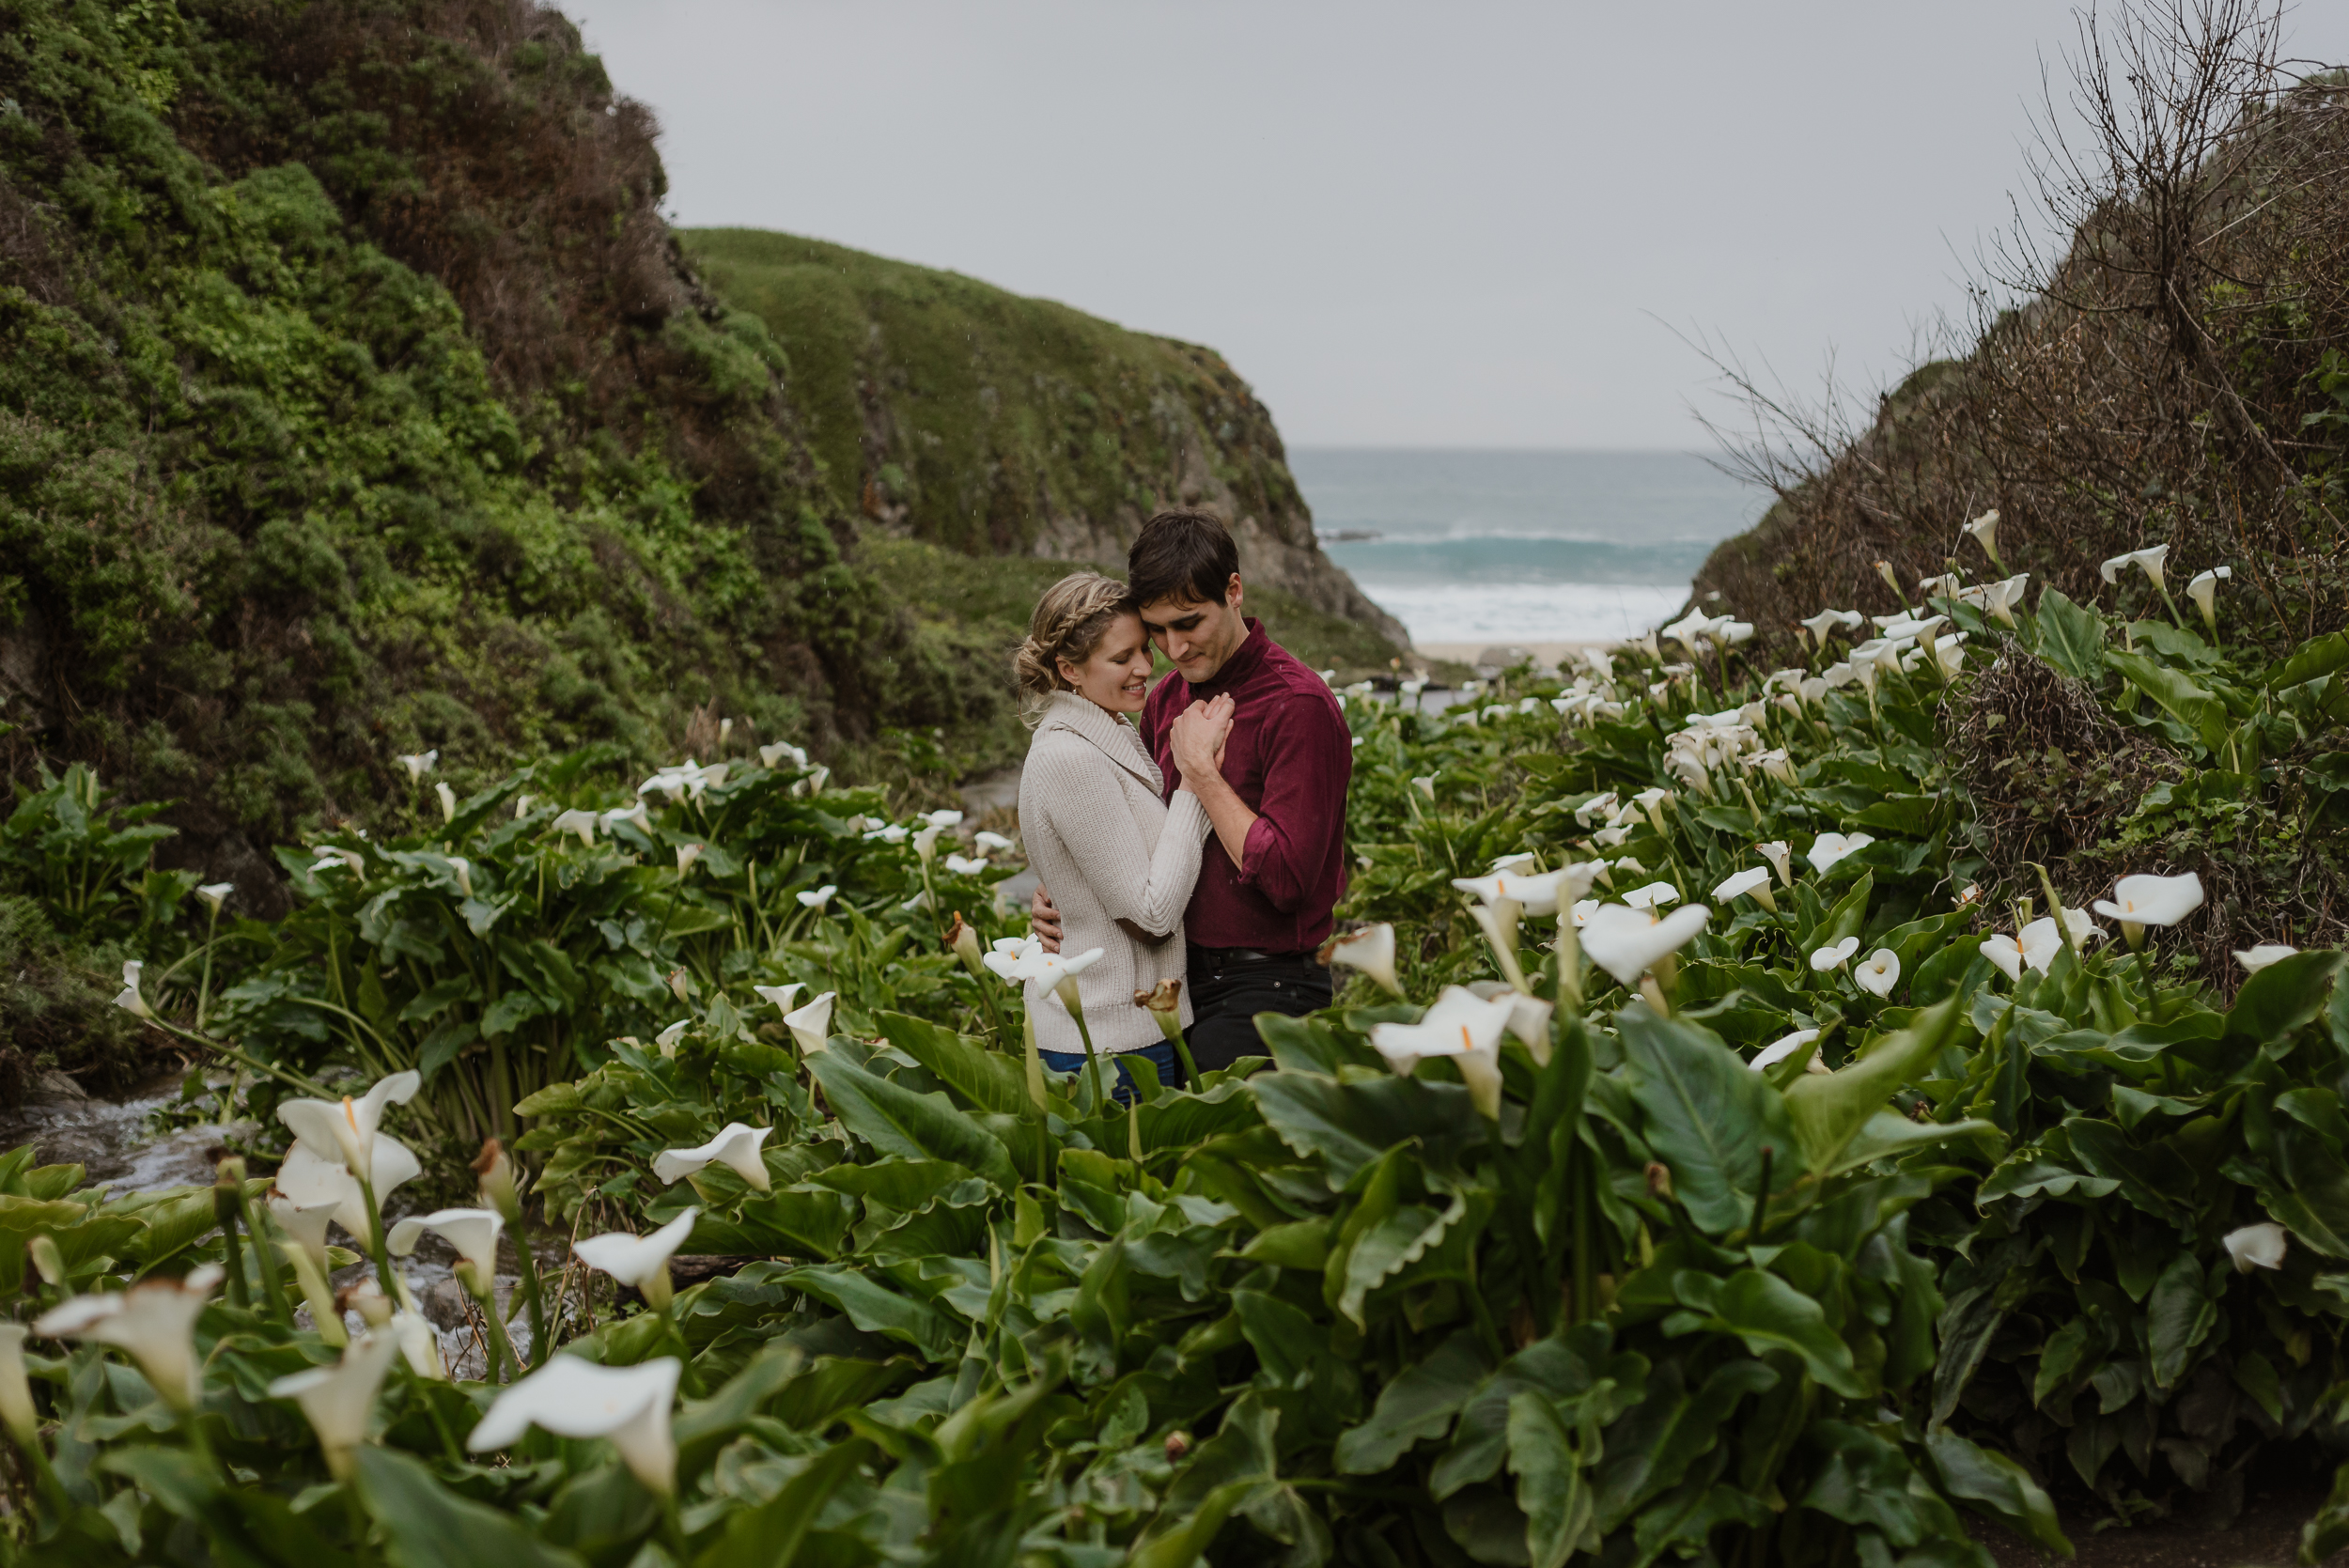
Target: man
[1275, 866]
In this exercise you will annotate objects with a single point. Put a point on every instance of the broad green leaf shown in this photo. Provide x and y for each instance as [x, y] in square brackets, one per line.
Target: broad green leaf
[1767, 1313]
[2179, 1316]
[425, 1525]
[2278, 1000]
[2071, 637]
[988, 1080]
[2319, 656]
[896, 1121]
[2003, 1488]
[2197, 709]
[1827, 1110]
[1705, 1115]
[1551, 1492]
[1350, 1125]
[878, 1309]
[1416, 1406]
[770, 1535]
[1888, 1135]
[1651, 1448]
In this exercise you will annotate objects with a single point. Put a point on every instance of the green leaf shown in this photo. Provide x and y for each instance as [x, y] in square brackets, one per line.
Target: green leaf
[2197, 708]
[2179, 1315]
[1551, 1492]
[770, 1535]
[1416, 1406]
[2003, 1488]
[878, 1309]
[988, 1080]
[426, 1525]
[2071, 637]
[1350, 1125]
[1828, 1110]
[1705, 1116]
[1767, 1313]
[2319, 656]
[896, 1121]
[2278, 1000]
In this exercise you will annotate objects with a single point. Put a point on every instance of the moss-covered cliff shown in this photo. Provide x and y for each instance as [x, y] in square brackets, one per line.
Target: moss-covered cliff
[354, 399]
[948, 410]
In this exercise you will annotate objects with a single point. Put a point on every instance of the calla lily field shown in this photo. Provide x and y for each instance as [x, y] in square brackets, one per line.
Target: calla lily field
[1753, 1127]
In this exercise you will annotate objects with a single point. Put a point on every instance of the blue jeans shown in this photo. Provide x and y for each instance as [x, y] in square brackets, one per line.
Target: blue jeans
[1161, 1056]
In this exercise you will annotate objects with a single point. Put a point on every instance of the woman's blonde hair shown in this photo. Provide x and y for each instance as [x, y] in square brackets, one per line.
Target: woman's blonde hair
[1068, 623]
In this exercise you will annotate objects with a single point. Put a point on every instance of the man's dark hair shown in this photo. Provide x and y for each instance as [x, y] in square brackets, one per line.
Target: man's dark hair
[1184, 555]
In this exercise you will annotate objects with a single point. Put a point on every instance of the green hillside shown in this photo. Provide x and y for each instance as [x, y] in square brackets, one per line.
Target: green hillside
[355, 401]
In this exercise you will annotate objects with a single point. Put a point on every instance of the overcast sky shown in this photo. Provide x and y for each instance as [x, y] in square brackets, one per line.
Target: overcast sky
[1448, 225]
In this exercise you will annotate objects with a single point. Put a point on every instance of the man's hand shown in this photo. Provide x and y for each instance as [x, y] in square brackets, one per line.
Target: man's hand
[1198, 736]
[1044, 918]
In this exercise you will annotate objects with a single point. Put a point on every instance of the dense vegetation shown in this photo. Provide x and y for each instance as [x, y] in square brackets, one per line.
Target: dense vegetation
[1785, 1227]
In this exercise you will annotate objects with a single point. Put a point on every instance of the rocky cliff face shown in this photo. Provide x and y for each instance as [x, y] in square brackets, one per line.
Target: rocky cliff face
[946, 410]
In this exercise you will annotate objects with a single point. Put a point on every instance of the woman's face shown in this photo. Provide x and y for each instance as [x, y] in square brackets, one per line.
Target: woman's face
[1116, 675]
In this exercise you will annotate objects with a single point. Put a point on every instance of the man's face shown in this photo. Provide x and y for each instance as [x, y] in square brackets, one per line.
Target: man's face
[1197, 638]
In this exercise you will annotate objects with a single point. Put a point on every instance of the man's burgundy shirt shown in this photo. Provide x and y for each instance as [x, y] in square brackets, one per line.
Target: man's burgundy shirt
[1289, 759]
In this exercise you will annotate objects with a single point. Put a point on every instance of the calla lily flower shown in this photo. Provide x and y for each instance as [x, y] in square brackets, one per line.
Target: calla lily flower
[580, 822]
[770, 755]
[1984, 531]
[1780, 859]
[2041, 941]
[127, 999]
[817, 777]
[1007, 959]
[2254, 959]
[926, 843]
[943, 818]
[1753, 883]
[1651, 801]
[2005, 955]
[464, 868]
[1058, 971]
[1830, 620]
[1653, 896]
[1461, 1026]
[637, 816]
[993, 843]
[1878, 973]
[1828, 848]
[2203, 591]
[1501, 865]
[2259, 1246]
[1537, 895]
[641, 1261]
[574, 1398]
[215, 894]
[338, 1400]
[346, 1131]
[308, 1180]
[1371, 951]
[687, 854]
[811, 1026]
[306, 1223]
[1943, 586]
[816, 898]
[2149, 561]
[1426, 784]
[735, 1147]
[419, 763]
[1628, 942]
[448, 800]
[1779, 1050]
[473, 1232]
[964, 865]
[889, 833]
[2140, 901]
[1835, 955]
[1838, 675]
[666, 1040]
[17, 1413]
[154, 1321]
[780, 995]
[419, 1345]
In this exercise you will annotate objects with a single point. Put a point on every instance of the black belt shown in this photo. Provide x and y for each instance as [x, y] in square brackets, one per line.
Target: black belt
[1225, 955]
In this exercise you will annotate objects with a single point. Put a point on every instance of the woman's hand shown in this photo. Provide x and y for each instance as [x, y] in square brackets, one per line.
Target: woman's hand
[1198, 737]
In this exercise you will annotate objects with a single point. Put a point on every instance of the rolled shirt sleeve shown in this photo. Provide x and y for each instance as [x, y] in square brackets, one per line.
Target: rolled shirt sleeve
[1301, 822]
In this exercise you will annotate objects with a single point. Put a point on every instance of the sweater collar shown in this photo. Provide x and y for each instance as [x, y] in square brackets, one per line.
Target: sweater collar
[1112, 734]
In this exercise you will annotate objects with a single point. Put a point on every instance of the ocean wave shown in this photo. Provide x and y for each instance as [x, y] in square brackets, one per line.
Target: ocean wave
[1529, 612]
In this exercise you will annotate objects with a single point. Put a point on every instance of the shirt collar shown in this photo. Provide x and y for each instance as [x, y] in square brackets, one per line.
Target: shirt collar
[1244, 662]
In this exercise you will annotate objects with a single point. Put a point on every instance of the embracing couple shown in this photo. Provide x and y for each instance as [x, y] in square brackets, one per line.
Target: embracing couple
[1194, 833]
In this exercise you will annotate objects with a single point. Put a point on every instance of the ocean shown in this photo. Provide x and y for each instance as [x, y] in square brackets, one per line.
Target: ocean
[1521, 547]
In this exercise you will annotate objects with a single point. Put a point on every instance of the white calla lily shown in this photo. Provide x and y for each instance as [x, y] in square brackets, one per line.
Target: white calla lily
[2005, 955]
[994, 843]
[1461, 1026]
[215, 894]
[448, 800]
[580, 822]
[1753, 882]
[2148, 561]
[346, 1131]
[419, 763]
[1781, 1049]
[1834, 955]
[473, 1232]
[1654, 895]
[1877, 973]
[641, 1261]
[18, 1415]
[781, 996]
[1535, 894]
[1831, 620]
[2142, 900]
[1984, 531]
[2254, 959]
[735, 1147]
[2204, 590]
[966, 865]
[1828, 848]
[338, 1400]
[153, 1322]
[811, 1025]
[816, 898]
[2041, 941]
[1371, 951]
[2259, 1246]
[1628, 942]
[1780, 859]
[575, 1398]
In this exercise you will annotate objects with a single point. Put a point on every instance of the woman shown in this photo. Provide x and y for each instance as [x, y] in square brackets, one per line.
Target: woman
[1119, 857]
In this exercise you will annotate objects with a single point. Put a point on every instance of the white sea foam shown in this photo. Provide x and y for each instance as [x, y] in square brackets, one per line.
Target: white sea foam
[1528, 612]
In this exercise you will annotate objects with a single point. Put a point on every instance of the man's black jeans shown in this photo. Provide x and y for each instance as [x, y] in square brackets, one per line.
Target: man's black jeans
[1227, 991]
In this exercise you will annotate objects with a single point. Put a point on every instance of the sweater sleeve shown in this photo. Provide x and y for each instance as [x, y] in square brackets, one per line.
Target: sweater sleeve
[1302, 816]
[1087, 812]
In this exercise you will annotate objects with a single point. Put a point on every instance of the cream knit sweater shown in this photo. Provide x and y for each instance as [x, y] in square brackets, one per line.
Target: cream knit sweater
[1109, 850]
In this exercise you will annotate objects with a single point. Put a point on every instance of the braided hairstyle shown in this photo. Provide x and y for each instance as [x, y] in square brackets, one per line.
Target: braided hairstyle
[1068, 623]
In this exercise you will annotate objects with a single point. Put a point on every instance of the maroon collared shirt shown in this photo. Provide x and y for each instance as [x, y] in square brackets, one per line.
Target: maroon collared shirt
[1289, 758]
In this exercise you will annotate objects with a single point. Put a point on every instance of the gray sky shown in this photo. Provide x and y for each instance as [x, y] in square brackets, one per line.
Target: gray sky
[1450, 225]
